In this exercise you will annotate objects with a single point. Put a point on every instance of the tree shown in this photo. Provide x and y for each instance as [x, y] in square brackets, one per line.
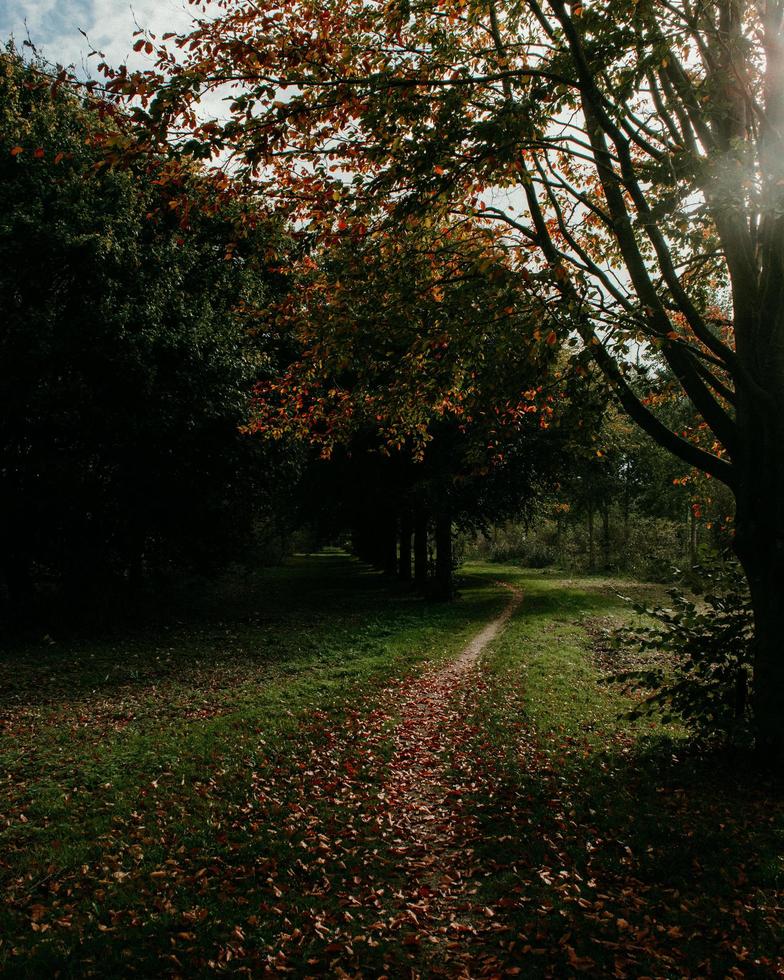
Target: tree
[414, 348]
[124, 368]
[636, 151]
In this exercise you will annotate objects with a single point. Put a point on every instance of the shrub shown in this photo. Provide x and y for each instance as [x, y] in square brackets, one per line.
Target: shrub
[704, 677]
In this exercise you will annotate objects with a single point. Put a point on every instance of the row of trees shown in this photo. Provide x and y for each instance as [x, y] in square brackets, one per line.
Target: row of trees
[148, 326]
[125, 369]
[476, 188]
[633, 156]
[430, 385]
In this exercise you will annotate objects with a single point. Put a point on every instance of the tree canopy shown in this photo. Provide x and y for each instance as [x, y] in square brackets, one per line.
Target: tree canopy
[125, 369]
[632, 155]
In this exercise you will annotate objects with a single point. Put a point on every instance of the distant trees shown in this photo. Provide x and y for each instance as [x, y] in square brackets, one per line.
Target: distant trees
[125, 369]
[622, 505]
[646, 142]
[428, 382]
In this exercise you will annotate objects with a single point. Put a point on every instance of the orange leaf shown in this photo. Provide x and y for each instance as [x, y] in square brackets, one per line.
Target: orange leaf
[17, 150]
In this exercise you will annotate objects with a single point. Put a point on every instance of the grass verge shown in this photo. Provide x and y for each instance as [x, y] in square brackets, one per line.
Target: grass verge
[619, 850]
[127, 839]
[212, 796]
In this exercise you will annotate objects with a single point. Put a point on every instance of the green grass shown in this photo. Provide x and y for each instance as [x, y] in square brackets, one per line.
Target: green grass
[119, 755]
[197, 796]
[640, 847]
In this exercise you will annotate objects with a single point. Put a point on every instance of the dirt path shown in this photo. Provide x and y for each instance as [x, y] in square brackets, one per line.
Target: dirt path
[432, 835]
[388, 796]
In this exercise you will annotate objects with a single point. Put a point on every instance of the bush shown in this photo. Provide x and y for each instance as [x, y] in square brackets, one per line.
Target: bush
[517, 544]
[704, 679]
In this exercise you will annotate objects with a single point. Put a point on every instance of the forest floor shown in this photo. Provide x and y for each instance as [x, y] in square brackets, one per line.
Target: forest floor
[318, 774]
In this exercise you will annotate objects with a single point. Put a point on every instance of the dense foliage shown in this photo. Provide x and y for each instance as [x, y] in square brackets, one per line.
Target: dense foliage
[431, 390]
[633, 156]
[124, 370]
[702, 675]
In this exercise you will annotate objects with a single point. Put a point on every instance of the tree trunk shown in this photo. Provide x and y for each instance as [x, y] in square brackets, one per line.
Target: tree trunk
[420, 548]
[759, 545]
[605, 511]
[591, 542]
[444, 584]
[404, 562]
[766, 579]
[389, 544]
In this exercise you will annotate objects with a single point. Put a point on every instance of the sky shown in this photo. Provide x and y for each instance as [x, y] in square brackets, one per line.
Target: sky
[53, 26]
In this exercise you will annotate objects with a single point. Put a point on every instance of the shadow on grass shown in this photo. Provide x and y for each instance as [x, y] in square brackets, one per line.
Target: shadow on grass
[624, 850]
[640, 862]
[288, 614]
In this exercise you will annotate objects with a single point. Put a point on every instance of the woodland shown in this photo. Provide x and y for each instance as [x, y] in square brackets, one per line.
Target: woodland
[392, 494]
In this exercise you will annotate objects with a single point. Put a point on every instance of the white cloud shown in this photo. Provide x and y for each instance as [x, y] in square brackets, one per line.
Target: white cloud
[54, 26]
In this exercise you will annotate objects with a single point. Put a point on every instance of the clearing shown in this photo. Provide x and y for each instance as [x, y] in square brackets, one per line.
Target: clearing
[317, 773]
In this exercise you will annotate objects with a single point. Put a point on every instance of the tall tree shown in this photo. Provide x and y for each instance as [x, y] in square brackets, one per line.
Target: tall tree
[635, 150]
[125, 369]
[414, 350]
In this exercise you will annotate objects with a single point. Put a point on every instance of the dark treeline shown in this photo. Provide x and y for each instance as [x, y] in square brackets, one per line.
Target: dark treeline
[402, 515]
[125, 371]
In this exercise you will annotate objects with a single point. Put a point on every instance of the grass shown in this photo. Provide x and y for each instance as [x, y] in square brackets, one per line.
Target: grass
[118, 754]
[644, 850]
[205, 795]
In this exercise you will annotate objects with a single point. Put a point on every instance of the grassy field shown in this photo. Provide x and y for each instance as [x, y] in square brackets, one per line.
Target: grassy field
[635, 854]
[208, 796]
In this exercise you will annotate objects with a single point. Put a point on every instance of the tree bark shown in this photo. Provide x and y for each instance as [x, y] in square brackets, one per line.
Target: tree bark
[444, 583]
[759, 545]
[404, 561]
[420, 548]
[389, 544]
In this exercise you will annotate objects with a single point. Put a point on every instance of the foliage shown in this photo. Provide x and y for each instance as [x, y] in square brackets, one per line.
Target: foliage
[124, 368]
[706, 645]
[631, 155]
[407, 117]
[423, 377]
[400, 334]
